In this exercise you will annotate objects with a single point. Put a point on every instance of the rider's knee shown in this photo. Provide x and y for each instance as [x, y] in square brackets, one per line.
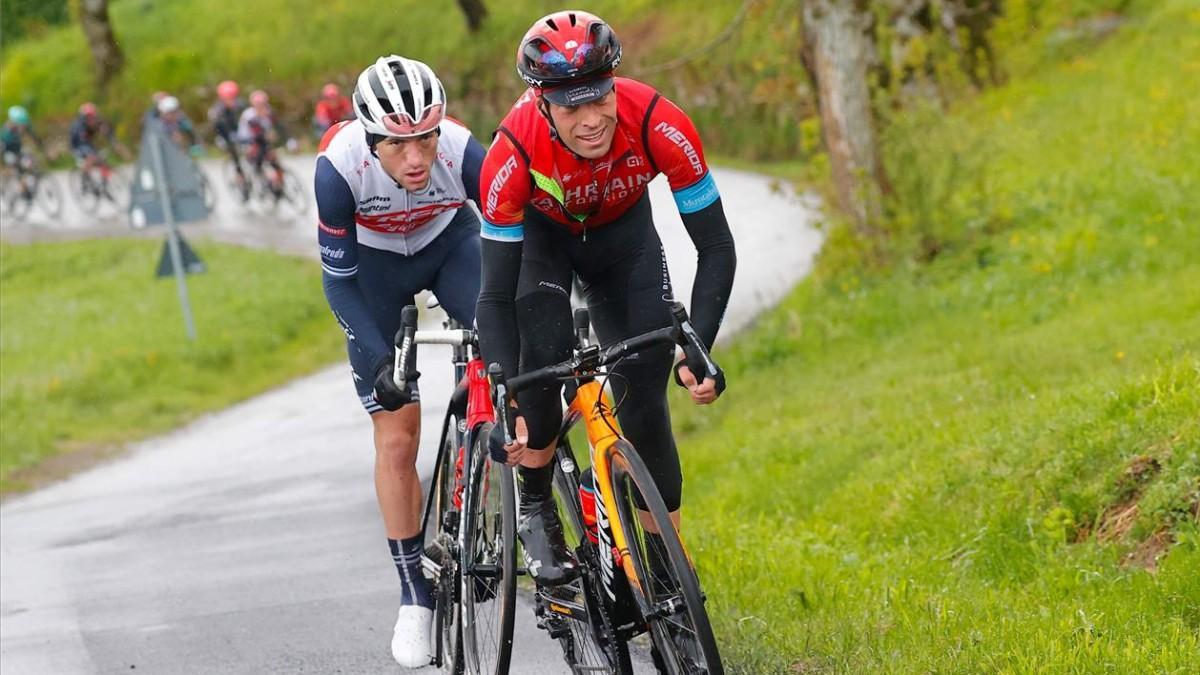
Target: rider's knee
[396, 445]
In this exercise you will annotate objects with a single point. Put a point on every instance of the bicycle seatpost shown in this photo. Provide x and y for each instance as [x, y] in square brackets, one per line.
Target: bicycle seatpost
[405, 345]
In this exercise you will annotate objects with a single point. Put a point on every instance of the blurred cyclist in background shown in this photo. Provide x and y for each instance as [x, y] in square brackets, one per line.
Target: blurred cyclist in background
[152, 112]
[224, 116]
[331, 109]
[17, 125]
[261, 132]
[15, 155]
[86, 131]
[178, 126]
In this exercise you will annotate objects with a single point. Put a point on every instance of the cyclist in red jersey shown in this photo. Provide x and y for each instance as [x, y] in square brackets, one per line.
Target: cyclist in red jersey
[333, 107]
[564, 195]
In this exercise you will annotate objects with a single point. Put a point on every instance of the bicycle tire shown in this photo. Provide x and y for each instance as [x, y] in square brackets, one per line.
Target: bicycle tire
[85, 191]
[16, 204]
[441, 543]
[294, 194]
[48, 196]
[489, 561]
[678, 622]
[206, 189]
[116, 189]
[241, 190]
[586, 648]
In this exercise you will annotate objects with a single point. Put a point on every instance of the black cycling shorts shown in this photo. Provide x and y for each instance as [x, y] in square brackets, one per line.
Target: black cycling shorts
[448, 266]
[622, 270]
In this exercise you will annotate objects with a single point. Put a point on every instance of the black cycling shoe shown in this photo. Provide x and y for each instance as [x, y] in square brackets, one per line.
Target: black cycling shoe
[541, 534]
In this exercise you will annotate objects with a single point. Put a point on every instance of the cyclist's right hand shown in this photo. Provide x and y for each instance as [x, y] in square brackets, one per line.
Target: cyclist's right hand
[387, 394]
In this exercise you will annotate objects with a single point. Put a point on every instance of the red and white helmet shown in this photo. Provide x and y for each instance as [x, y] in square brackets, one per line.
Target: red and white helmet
[227, 90]
[259, 97]
[88, 109]
[569, 56]
[330, 90]
[399, 98]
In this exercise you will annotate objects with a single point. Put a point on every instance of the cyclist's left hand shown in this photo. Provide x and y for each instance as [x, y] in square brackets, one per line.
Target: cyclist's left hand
[702, 393]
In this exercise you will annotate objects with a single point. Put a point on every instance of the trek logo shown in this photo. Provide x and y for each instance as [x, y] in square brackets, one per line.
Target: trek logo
[676, 136]
[334, 231]
[332, 253]
[498, 182]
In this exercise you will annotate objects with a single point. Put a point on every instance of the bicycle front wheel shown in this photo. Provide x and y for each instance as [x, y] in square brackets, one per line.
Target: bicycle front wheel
[592, 646]
[673, 606]
[86, 190]
[16, 202]
[489, 564]
[48, 196]
[116, 189]
[293, 197]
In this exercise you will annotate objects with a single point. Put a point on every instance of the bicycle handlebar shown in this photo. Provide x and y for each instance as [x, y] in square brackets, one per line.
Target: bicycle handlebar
[588, 359]
[403, 365]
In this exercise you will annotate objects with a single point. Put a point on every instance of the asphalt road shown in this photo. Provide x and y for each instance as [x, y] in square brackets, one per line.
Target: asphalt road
[249, 541]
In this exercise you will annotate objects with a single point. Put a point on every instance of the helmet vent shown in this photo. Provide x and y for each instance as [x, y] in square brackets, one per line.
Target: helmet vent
[550, 22]
[572, 16]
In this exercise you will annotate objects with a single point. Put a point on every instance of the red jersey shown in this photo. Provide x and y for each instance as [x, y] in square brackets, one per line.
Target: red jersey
[330, 113]
[526, 165]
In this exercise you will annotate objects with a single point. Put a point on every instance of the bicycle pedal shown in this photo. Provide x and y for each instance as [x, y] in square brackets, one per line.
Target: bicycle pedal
[556, 627]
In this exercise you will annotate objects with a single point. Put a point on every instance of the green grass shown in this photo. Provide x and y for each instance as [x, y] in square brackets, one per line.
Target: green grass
[932, 486]
[93, 351]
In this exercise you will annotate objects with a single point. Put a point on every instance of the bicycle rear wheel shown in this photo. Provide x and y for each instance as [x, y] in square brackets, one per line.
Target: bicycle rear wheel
[673, 606]
[591, 646]
[441, 525]
[489, 566]
[293, 198]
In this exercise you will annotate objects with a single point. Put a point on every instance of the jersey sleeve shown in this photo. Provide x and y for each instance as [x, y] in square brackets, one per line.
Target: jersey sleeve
[336, 229]
[505, 189]
[472, 166]
[674, 144]
[336, 234]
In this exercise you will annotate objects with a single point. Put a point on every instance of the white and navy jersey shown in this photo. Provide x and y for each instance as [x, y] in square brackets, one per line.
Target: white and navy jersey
[253, 126]
[358, 203]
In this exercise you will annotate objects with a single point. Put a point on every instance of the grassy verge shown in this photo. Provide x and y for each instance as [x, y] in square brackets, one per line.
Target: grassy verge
[93, 352]
[985, 458]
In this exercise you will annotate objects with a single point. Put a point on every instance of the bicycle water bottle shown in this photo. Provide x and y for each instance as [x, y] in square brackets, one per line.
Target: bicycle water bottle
[587, 499]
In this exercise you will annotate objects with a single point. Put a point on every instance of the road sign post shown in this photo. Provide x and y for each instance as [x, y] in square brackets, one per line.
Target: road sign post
[166, 190]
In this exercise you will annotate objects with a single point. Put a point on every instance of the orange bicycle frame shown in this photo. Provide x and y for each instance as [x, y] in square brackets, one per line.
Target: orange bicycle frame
[602, 432]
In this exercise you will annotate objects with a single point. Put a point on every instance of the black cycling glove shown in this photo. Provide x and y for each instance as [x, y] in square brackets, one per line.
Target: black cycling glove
[388, 395]
[693, 356]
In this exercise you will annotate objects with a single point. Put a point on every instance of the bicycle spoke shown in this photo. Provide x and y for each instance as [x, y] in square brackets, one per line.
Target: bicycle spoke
[677, 619]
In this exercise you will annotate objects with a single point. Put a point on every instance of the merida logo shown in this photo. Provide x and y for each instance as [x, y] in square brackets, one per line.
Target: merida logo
[676, 136]
[498, 182]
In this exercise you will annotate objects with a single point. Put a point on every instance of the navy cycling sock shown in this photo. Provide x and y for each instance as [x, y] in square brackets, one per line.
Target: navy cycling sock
[414, 587]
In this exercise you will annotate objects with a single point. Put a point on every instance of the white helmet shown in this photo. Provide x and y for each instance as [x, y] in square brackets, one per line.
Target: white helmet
[399, 98]
[168, 104]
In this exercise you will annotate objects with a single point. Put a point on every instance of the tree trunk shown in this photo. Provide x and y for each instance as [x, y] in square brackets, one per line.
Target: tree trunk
[106, 53]
[839, 52]
[475, 12]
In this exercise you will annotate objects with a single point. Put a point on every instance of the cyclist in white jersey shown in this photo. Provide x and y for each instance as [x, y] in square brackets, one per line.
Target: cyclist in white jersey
[392, 190]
